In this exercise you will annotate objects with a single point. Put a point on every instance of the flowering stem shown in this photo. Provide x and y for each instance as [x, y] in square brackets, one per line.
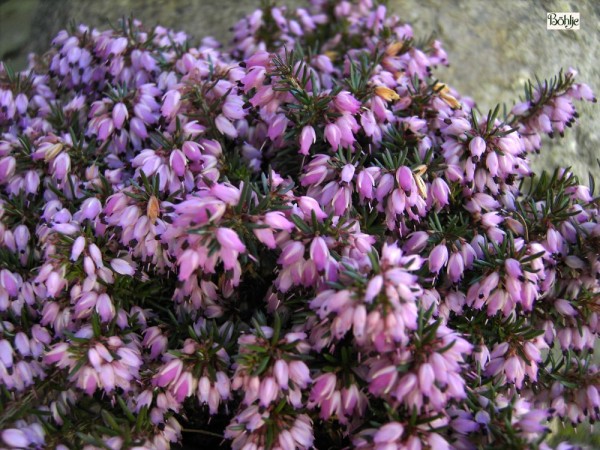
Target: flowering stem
[207, 433]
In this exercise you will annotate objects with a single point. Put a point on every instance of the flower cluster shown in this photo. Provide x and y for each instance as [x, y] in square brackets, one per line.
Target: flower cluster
[300, 239]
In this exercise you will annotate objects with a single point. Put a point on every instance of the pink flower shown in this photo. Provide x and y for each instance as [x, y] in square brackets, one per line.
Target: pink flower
[365, 183]
[253, 78]
[168, 373]
[436, 441]
[6, 353]
[225, 126]
[323, 387]
[15, 438]
[405, 179]
[331, 406]
[106, 128]
[90, 208]
[223, 385]
[456, 267]
[389, 433]
[119, 115]
[277, 126]
[368, 122]
[347, 173]
[268, 391]
[359, 322]
[492, 163]
[266, 236]
[89, 380]
[178, 162]
[307, 138]
[136, 148]
[333, 135]
[416, 242]
[281, 373]
[233, 107]
[7, 168]
[138, 127]
[55, 284]
[514, 371]
[191, 150]
[440, 191]
[105, 308]
[263, 96]
[277, 220]
[308, 205]
[319, 252]
[565, 308]
[118, 46]
[292, 252]
[346, 103]
[21, 103]
[229, 240]
[10, 282]
[188, 262]
[302, 431]
[184, 387]
[171, 103]
[123, 267]
[477, 146]
[58, 353]
[531, 422]
[286, 440]
[438, 258]
[61, 166]
[426, 378]
[383, 380]
[299, 373]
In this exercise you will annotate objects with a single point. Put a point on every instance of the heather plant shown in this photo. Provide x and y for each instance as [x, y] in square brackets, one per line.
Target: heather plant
[300, 239]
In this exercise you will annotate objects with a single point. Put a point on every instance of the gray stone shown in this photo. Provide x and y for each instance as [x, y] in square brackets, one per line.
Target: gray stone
[493, 47]
[16, 18]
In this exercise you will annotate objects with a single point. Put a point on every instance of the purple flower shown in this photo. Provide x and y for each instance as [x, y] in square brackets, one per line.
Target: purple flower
[268, 391]
[7, 168]
[438, 258]
[123, 267]
[319, 252]
[229, 240]
[277, 126]
[333, 135]
[277, 220]
[299, 373]
[168, 373]
[167, 265]
[347, 173]
[456, 266]
[15, 438]
[225, 126]
[307, 138]
[171, 103]
[477, 146]
[389, 433]
[119, 115]
[383, 380]
[184, 386]
[346, 103]
[426, 378]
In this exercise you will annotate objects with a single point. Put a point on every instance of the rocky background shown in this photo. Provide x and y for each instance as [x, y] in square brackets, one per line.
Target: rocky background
[493, 47]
